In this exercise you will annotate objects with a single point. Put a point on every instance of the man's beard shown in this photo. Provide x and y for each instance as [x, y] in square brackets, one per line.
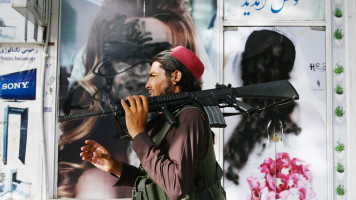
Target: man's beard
[169, 88]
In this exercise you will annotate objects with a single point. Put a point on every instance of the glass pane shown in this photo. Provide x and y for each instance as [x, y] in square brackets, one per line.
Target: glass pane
[254, 146]
[273, 10]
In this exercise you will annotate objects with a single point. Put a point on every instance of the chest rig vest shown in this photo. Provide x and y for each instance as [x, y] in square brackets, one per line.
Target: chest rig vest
[206, 185]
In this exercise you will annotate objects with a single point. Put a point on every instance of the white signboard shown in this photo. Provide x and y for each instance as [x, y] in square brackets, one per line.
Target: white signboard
[267, 10]
[20, 122]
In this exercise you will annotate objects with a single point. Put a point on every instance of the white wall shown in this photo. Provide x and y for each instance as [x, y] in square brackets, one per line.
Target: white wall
[351, 90]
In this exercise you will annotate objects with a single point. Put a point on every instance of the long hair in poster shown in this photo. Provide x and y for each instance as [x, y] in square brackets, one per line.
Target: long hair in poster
[106, 51]
[281, 153]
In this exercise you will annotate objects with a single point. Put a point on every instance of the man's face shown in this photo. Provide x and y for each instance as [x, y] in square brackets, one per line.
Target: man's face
[158, 82]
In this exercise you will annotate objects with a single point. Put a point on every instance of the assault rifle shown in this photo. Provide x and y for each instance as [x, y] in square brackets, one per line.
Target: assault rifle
[211, 100]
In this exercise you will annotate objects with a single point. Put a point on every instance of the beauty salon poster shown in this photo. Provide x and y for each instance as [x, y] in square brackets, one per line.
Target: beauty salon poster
[279, 154]
[120, 36]
[20, 121]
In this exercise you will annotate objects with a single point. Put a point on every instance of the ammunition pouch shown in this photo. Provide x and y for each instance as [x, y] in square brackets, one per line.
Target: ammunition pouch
[147, 189]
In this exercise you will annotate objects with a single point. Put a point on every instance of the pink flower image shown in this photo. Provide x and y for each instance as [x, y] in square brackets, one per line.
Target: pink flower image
[282, 179]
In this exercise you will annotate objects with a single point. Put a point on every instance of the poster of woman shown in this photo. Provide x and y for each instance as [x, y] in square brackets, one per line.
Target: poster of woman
[281, 153]
[106, 50]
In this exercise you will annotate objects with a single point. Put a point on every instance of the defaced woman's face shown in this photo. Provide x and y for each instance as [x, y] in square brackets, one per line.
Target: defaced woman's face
[132, 74]
[132, 81]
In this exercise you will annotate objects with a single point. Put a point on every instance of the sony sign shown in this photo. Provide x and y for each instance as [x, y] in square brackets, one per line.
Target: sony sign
[10, 86]
[18, 85]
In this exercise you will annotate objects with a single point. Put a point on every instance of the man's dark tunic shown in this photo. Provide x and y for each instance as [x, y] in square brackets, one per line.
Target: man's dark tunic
[173, 164]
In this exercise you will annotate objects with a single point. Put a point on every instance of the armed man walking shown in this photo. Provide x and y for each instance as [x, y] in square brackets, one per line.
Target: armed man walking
[177, 161]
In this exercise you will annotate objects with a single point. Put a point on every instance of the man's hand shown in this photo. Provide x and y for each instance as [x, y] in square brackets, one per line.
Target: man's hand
[136, 114]
[100, 157]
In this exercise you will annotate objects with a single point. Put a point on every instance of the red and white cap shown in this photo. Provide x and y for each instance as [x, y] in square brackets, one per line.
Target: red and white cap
[189, 60]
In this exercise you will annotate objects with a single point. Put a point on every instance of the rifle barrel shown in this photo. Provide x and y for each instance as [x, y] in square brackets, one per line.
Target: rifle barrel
[83, 115]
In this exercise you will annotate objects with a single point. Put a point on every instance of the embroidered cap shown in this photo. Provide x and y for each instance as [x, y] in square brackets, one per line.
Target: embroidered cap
[189, 60]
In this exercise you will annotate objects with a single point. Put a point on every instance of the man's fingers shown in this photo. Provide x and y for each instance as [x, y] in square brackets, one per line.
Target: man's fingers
[86, 154]
[88, 148]
[87, 159]
[144, 102]
[90, 159]
[132, 103]
[138, 102]
[90, 156]
[124, 105]
[93, 143]
[90, 142]
[135, 104]
[93, 152]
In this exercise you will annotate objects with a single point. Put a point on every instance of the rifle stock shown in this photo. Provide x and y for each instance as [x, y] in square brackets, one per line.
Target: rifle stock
[277, 89]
